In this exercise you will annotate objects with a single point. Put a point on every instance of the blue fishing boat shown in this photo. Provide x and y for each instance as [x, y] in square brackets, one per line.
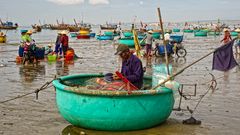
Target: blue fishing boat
[92, 35]
[111, 110]
[8, 25]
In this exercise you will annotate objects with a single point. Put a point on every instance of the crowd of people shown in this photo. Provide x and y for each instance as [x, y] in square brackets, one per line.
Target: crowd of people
[61, 44]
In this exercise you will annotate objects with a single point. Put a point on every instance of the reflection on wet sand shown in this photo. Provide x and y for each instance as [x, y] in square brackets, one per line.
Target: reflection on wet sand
[62, 67]
[171, 126]
[30, 72]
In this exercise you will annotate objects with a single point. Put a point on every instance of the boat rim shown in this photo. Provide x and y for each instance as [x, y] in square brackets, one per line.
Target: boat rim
[83, 90]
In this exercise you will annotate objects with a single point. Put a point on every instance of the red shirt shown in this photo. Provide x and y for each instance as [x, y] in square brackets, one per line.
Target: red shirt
[64, 40]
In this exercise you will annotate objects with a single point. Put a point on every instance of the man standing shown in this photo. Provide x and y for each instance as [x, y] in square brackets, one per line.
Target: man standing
[58, 48]
[64, 42]
[131, 66]
[149, 40]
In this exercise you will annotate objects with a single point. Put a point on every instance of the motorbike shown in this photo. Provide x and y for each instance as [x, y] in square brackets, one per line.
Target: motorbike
[172, 48]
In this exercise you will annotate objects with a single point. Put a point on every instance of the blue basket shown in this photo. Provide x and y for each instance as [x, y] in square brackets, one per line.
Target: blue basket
[177, 38]
[20, 51]
[162, 51]
[40, 53]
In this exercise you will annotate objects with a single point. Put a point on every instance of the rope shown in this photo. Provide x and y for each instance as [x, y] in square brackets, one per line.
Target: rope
[43, 87]
[9, 51]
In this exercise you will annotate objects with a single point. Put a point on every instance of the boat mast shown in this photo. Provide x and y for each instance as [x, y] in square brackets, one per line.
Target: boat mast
[164, 41]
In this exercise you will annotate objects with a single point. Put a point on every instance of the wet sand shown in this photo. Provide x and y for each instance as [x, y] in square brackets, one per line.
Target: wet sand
[219, 111]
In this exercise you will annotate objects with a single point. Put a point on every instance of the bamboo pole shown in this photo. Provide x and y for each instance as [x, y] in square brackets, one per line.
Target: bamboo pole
[164, 42]
[180, 71]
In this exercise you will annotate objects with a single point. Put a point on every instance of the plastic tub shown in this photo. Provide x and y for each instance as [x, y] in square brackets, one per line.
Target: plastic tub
[69, 57]
[52, 57]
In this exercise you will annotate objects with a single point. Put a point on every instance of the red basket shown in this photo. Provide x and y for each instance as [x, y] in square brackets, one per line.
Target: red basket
[69, 57]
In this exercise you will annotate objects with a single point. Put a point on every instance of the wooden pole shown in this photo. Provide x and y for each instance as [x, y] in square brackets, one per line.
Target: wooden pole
[180, 71]
[164, 42]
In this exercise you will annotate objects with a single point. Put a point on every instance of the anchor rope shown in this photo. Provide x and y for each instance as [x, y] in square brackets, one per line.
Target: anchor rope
[43, 87]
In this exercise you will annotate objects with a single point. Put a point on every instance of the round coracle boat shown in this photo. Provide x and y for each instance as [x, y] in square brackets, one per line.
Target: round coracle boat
[111, 110]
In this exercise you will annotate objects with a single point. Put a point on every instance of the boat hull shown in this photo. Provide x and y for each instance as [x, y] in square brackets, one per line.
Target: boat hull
[176, 30]
[233, 33]
[83, 36]
[200, 34]
[188, 31]
[3, 39]
[112, 110]
[213, 33]
[104, 37]
[129, 42]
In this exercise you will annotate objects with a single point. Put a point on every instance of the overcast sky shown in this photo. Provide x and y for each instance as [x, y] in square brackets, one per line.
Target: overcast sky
[27, 12]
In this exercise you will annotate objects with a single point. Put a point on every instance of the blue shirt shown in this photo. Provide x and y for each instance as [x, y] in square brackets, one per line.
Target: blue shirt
[132, 69]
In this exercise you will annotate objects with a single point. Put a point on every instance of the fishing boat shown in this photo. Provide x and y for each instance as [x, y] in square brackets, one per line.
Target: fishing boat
[127, 34]
[176, 30]
[156, 35]
[234, 33]
[83, 36]
[111, 110]
[108, 33]
[200, 34]
[3, 38]
[92, 35]
[104, 37]
[129, 42]
[8, 25]
[187, 30]
[108, 27]
[213, 33]
[73, 34]
[37, 28]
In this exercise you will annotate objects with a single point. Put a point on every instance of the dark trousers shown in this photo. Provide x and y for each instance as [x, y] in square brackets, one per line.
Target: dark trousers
[58, 49]
[65, 48]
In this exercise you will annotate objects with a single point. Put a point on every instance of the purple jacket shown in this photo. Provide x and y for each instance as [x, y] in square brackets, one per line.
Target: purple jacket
[132, 69]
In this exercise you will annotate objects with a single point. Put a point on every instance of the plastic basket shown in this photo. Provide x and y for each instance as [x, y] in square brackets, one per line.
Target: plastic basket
[52, 57]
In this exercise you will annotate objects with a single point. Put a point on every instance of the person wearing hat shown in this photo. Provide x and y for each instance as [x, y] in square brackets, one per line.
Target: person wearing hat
[25, 36]
[64, 42]
[132, 67]
[149, 41]
[29, 36]
[58, 48]
[48, 49]
[227, 36]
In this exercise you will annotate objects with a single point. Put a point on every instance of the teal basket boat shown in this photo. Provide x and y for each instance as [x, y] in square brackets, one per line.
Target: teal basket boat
[188, 31]
[156, 35]
[127, 34]
[200, 34]
[233, 33]
[176, 30]
[111, 110]
[213, 33]
[129, 42]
